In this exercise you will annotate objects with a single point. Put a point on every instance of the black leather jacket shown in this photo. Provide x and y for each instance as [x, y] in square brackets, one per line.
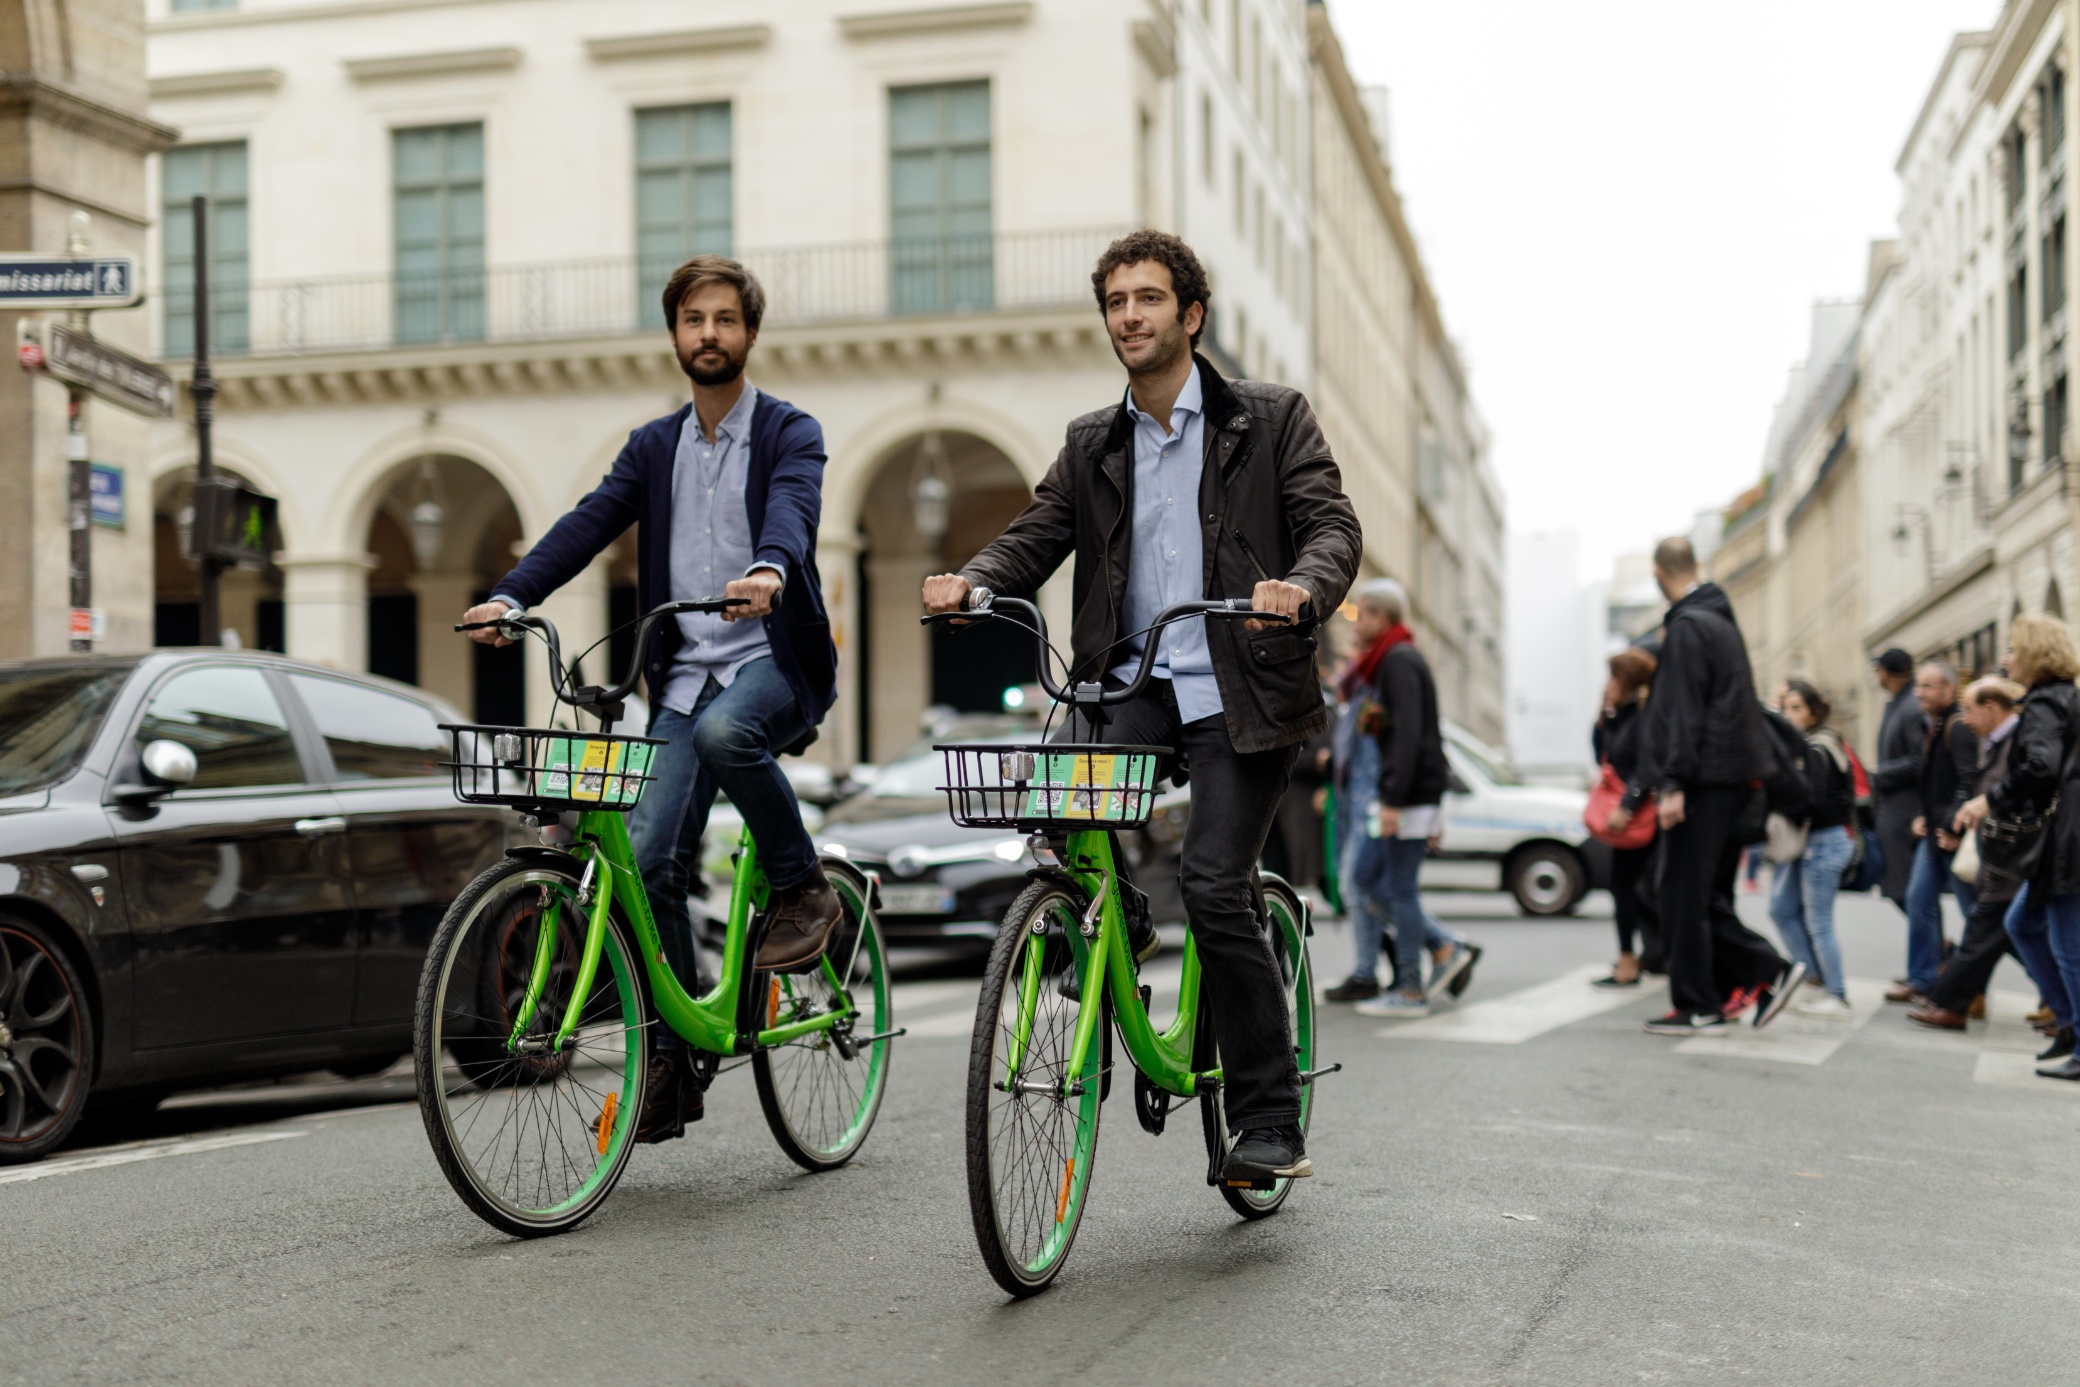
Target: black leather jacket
[2050, 720]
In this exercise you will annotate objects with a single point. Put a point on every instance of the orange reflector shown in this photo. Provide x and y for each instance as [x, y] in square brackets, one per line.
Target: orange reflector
[606, 1120]
[1061, 1201]
[773, 1004]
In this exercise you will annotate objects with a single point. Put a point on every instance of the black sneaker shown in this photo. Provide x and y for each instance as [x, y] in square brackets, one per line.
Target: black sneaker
[1352, 990]
[1777, 995]
[1465, 978]
[1267, 1153]
[2061, 1046]
[1688, 1023]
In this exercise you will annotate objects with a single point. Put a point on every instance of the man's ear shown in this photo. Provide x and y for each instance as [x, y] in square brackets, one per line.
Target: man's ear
[1194, 318]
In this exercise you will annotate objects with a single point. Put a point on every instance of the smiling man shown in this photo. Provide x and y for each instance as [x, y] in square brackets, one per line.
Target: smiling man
[1194, 487]
[725, 493]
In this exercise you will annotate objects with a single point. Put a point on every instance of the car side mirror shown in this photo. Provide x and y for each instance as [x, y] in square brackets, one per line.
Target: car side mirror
[167, 766]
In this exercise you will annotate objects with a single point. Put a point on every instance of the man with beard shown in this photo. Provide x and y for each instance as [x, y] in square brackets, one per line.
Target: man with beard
[726, 493]
[1192, 487]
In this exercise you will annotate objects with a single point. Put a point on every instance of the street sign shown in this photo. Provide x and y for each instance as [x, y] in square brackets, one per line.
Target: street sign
[62, 281]
[235, 524]
[78, 359]
[105, 495]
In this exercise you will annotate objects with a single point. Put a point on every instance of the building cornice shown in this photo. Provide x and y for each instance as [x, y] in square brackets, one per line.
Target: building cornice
[1961, 575]
[216, 83]
[298, 14]
[906, 346]
[680, 42]
[431, 64]
[2013, 38]
[25, 93]
[1971, 41]
[938, 18]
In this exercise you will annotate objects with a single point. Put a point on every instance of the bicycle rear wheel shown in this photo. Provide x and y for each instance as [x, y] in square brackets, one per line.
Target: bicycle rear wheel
[1289, 942]
[821, 1092]
[531, 1137]
[1031, 1146]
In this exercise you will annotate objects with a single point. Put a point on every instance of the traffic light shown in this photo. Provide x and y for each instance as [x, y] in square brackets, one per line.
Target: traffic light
[234, 524]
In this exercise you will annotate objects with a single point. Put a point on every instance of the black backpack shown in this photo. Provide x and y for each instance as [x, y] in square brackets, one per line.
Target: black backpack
[1785, 787]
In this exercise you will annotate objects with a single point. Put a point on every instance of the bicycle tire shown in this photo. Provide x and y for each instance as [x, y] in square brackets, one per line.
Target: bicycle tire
[1030, 1154]
[585, 1101]
[1289, 926]
[820, 1103]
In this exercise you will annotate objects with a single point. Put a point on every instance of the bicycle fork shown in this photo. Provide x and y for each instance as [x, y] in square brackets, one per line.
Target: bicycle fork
[594, 898]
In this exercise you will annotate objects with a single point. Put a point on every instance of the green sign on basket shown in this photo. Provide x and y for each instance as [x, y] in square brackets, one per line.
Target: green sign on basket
[598, 772]
[1082, 786]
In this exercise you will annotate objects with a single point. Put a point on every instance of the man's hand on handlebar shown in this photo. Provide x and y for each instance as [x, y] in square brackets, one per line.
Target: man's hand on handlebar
[487, 611]
[945, 592]
[759, 588]
[1271, 595]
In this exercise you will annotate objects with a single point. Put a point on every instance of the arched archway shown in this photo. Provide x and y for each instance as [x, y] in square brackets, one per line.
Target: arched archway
[441, 531]
[249, 602]
[900, 670]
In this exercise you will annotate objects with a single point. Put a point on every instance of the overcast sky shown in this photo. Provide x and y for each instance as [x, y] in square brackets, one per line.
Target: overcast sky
[1627, 208]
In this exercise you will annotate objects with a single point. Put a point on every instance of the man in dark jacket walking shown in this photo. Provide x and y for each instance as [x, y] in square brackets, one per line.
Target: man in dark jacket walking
[725, 494]
[1706, 752]
[1194, 487]
[1896, 778]
[1949, 763]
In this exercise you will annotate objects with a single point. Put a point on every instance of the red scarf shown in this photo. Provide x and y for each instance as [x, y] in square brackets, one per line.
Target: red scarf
[1365, 666]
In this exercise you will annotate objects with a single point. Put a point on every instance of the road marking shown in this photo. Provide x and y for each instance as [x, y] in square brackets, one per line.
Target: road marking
[105, 1159]
[2017, 1069]
[1795, 1039]
[1520, 1016]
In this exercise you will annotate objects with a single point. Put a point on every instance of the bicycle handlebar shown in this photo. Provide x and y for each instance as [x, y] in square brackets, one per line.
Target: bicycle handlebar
[1091, 694]
[592, 696]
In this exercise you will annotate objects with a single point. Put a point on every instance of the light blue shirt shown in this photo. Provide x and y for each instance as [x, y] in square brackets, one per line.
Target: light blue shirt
[711, 545]
[1166, 563]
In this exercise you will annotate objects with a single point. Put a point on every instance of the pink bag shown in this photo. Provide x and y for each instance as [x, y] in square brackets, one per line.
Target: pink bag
[1604, 798]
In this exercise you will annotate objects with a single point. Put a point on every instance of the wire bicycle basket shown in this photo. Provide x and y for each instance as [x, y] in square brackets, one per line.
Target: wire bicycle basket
[549, 770]
[1050, 785]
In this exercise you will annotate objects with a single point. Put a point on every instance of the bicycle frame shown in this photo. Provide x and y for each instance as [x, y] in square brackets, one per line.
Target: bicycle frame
[712, 1023]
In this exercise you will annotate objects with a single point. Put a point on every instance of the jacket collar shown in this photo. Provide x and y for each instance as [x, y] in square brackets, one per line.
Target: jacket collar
[1221, 410]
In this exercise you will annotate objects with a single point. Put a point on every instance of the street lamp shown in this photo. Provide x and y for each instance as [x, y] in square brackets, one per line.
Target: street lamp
[930, 496]
[428, 518]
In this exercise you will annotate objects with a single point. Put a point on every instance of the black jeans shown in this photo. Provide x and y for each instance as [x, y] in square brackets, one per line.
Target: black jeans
[1710, 952]
[1637, 923]
[1967, 971]
[1234, 799]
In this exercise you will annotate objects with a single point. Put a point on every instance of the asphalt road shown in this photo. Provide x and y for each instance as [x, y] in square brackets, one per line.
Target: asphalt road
[1526, 1191]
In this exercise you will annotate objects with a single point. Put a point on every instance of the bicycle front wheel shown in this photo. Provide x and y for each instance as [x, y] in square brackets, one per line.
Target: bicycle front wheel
[532, 1137]
[821, 1091]
[1296, 979]
[1032, 1123]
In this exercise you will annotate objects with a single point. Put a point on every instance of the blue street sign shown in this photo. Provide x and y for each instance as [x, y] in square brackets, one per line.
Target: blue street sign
[102, 281]
[105, 495]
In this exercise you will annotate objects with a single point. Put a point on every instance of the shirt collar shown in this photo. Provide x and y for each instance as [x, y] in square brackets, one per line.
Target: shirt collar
[737, 423]
[2007, 726]
[1190, 401]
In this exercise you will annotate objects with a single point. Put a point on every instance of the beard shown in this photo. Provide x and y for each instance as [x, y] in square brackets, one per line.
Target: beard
[1168, 345]
[731, 367]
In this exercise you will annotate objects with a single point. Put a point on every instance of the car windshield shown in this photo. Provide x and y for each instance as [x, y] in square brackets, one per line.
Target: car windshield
[919, 772]
[48, 717]
[1488, 762]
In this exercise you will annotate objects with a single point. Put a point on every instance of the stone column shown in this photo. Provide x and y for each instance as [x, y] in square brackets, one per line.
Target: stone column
[902, 672]
[446, 665]
[325, 607]
[837, 559]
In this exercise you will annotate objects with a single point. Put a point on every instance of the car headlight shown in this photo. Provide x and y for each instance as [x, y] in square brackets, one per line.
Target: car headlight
[1011, 850]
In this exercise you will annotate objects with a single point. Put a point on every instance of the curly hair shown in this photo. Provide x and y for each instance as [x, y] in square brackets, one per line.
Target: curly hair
[1187, 275]
[2043, 651]
[1815, 701]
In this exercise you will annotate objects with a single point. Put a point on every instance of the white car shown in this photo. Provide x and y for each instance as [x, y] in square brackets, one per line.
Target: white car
[1501, 834]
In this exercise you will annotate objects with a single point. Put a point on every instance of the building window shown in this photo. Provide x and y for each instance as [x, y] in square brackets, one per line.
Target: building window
[685, 196]
[939, 198]
[2053, 90]
[2018, 311]
[2055, 422]
[439, 172]
[217, 172]
[1206, 149]
[1241, 193]
[2055, 268]
[2015, 157]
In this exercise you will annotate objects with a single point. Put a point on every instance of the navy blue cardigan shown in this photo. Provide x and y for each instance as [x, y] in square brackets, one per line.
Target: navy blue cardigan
[784, 499]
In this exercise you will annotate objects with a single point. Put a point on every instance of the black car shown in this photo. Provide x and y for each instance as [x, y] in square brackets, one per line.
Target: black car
[941, 883]
[215, 865]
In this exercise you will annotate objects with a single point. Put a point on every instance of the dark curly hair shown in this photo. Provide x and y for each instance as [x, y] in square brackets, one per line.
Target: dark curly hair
[1815, 701]
[1187, 275]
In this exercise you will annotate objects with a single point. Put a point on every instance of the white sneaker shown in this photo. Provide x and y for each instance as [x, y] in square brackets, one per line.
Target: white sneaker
[1395, 1006]
[1826, 1007]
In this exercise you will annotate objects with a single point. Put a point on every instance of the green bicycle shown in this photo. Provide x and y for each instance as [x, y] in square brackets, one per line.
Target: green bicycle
[1061, 979]
[532, 1034]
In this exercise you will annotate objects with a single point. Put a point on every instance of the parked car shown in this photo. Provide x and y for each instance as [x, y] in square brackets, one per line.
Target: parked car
[215, 865]
[1501, 834]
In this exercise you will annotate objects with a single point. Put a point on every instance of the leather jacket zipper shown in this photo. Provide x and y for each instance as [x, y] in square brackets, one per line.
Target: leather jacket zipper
[1251, 555]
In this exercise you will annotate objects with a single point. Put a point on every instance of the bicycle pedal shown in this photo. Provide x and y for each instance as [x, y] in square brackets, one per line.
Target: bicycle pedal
[1251, 1184]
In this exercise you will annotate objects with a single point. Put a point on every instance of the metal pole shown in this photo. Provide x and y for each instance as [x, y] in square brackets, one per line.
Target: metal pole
[79, 499]
[204, 390]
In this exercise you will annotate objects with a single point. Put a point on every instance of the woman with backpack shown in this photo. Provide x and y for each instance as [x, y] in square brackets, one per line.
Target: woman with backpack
[1809, 873]
[2035, 812]
[1616, 740]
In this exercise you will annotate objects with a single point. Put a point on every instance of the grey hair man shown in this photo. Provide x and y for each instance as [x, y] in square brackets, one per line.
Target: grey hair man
[1949, 765]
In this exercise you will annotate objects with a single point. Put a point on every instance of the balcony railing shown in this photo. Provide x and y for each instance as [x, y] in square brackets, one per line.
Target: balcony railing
[602, 298]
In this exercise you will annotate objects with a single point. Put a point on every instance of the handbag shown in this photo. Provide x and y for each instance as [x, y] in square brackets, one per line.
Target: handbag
[2012, 844]
[1784, 840]
[1608, 793]
[1964, 863]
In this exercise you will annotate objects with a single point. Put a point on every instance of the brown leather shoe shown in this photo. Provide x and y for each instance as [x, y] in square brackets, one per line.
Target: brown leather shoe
[672, 1097]
[1977, 1010]
[1904, 992]
[1936, 1018]
[799, 928]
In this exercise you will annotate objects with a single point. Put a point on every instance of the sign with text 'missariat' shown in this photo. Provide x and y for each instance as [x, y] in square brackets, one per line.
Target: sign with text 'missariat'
[59, 281]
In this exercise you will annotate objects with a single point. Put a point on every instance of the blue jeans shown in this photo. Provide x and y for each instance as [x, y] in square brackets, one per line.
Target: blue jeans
[1802, 904]
[726, 743]
[1388, 870]
[1926, 882]
[2047, 938]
